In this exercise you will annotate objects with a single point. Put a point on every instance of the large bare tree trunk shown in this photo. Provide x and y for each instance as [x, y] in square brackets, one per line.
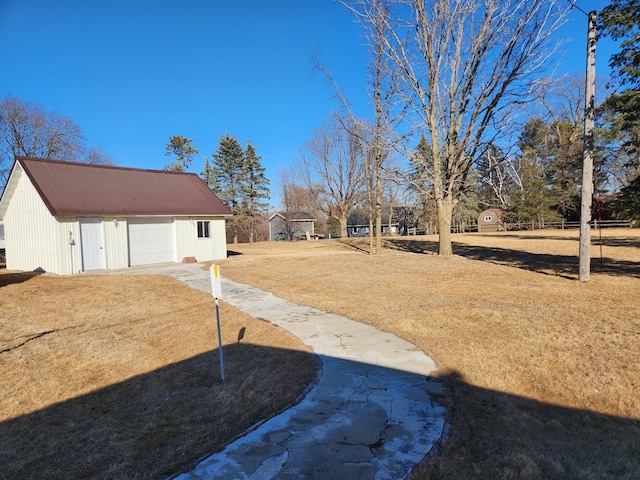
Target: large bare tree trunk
[462, 66]
[445, 214]
[372, 248]
[378, 249]
[343, 224]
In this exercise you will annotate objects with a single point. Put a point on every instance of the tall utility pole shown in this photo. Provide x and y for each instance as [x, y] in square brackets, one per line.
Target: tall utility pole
[587, 156]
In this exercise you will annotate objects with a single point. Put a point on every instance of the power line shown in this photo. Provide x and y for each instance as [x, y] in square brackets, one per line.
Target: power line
[573, 5]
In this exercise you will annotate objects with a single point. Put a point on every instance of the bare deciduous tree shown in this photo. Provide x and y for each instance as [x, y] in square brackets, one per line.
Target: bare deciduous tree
[462, 64]
[295, 198]
[97, 156]
[500, 173]
[29, 130]
[331, 169]
[376, 138]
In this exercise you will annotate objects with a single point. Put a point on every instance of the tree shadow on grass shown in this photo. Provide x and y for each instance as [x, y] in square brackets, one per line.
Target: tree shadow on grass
[616, 241]
[356, 244]
[498, 435]
[595, 239]
[562, 265]
[427, 247]
[160, 423]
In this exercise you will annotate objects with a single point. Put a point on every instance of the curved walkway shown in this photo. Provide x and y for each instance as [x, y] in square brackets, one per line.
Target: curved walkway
[369, 417]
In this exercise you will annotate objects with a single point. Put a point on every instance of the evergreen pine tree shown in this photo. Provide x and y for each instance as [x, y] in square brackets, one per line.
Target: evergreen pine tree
[620, 20]
[255, 191]
[627, 205]
[228, 172]
[420, 164]
[183, 150]
[238, 178]
[207, 173]
[533, 201]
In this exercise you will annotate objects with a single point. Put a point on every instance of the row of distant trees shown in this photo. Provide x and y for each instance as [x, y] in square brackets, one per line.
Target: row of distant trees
[463, 120]
[535, 180]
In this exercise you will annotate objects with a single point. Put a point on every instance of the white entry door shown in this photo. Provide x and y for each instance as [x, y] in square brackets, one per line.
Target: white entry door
[92, 245]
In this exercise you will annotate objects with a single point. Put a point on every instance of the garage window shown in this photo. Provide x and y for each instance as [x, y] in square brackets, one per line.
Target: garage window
[203, 229]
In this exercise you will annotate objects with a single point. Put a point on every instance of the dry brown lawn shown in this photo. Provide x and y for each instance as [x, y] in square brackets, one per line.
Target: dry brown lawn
[543, 370]
[117, 377]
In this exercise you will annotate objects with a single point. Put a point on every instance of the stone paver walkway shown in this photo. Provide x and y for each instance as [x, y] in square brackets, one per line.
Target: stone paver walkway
[369, 417]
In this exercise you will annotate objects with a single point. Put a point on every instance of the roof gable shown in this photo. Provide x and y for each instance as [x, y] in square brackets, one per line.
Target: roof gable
[499, 214]
[82, 189]
[293, 216]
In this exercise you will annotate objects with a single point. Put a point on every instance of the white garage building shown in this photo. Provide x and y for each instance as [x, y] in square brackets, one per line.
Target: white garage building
[65, 217]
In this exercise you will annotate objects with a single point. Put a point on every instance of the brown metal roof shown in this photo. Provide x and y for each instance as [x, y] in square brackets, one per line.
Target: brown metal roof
[83, 189]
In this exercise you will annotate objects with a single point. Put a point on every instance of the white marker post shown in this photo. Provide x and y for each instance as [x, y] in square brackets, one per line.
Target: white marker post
[216, 292]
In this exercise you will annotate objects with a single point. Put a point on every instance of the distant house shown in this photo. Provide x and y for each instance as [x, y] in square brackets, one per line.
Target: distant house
[290, 225]
[65, 217]
[358, 223]
[362, 230]
[490, 220]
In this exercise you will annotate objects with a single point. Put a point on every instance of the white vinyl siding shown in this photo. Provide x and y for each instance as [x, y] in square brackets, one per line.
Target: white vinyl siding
[36, 239]
[33, 241]
[203, 249]
[71, 254]
[151, 241]
[117, 248]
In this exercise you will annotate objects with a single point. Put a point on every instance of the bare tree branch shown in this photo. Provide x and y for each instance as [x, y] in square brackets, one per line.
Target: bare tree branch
[461, 63]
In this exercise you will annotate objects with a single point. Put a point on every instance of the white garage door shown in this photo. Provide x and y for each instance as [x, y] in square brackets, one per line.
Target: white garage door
[150, 241]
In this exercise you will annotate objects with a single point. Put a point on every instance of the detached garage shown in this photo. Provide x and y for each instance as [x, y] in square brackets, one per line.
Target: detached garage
[65, 217]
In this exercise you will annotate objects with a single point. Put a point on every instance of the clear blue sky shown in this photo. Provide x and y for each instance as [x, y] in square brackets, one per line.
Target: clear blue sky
[131, 73]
